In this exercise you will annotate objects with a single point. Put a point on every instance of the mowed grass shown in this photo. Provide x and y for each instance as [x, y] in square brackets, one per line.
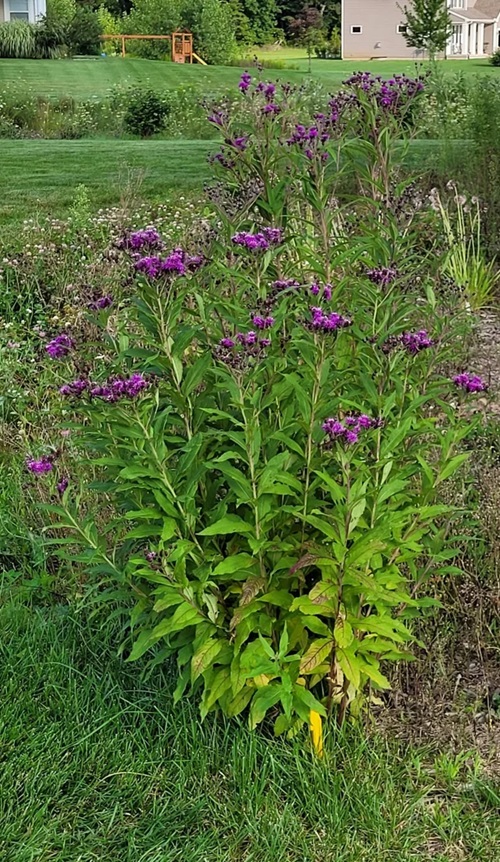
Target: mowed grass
[42, 176]
[98, 764]
[94, 78]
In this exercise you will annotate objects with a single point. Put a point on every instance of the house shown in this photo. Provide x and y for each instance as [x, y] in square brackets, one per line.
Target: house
[374, 29]
[22, 10]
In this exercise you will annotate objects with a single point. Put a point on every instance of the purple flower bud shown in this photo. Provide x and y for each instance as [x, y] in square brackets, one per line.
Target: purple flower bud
[227, 342]
[62, 485]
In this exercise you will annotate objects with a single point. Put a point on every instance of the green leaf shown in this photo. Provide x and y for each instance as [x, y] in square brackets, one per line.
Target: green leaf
[168, 597]
[318, 651]
[265, 698]
[350, 665]
[374, 674]
[227, 525]
[452, 466]
[305, 699]
[240, 701]
[196, 372]
[217, 688]
[184, 616]
[343, 632]
[235, 563]
[145, 640]
[204, 657]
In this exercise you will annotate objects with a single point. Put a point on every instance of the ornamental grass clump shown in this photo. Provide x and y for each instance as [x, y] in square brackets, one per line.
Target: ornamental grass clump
[271, 472]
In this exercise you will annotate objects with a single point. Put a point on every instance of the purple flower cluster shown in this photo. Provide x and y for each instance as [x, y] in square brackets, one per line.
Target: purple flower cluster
[141, 239]
[115, 390]
[389, 94]
[326, 291]
[40, 466]
[327, 321]
[239, 351]
[383, 276]
[261, 241]
[284, 284]
[178, 262]
[413, 342]
[312, 139]
[470, 382]
[262, 322]
[60, 346]
[112, 390]
[245, 81]
[101, 303]
[74, 389]
[350, 429]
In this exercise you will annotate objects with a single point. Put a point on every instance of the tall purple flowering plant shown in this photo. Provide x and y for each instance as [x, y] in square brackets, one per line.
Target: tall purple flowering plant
[277, 465]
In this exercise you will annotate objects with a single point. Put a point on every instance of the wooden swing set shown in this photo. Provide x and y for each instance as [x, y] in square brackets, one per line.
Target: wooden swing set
[182, 45]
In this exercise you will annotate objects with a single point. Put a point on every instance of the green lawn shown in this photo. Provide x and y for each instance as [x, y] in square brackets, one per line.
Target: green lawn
[98, 766]
[41, 176]
[95, 77]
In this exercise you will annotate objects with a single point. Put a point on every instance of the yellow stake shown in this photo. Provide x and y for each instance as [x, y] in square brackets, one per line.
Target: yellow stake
[316, 728]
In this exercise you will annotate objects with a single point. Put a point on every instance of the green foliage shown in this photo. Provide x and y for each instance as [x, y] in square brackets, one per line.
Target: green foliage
[428, 25]
[262, 17]
[495, 58]
[146, 112]
[108, 24]
[61, 11]
[84, 31]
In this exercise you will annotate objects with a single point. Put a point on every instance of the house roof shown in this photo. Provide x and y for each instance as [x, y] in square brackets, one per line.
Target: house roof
[491, 8]
[474, 14]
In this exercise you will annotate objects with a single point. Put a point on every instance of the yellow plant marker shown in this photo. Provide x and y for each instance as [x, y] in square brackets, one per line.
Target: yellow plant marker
[316, 728]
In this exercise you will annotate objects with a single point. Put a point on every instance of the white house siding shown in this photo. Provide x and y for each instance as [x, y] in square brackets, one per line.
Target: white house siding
[379, 20]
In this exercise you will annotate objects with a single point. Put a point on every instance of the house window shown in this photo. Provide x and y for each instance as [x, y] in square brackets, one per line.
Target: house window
[356, 29]
[401, 29]
[19, 10]
[458, 4]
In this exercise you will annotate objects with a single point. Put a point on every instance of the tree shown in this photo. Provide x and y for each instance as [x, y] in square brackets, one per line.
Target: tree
[211, 24]
[288, 10]
[428, 25]
[262, 17]
[308, 30]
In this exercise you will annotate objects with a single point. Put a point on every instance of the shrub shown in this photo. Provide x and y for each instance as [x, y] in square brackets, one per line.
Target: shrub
[84, 31]
[146, 113]
[156, 18]
[267, 419]
[495, 58]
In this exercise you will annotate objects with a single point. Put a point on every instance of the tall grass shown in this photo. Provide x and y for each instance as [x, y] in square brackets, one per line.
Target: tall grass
[18, 40]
